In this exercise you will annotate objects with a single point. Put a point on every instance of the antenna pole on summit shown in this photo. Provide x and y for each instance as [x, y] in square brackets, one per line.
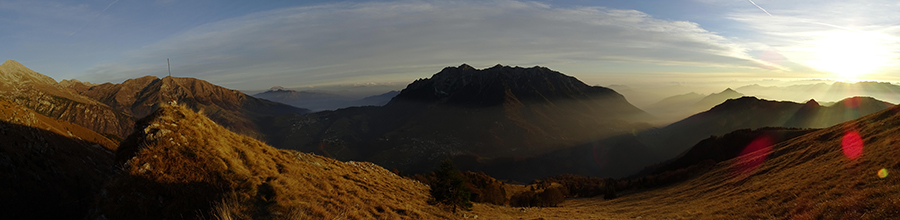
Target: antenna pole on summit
[169, 66]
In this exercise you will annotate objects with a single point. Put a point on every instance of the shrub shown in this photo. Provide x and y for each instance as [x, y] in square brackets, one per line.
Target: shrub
[484, 188]
[449, 188]
[552, 196]
[523, 199]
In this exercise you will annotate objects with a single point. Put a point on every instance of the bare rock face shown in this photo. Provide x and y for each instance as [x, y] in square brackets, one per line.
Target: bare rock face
[45, 96]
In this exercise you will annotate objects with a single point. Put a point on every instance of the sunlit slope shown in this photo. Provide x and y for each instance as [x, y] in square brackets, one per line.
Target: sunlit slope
[834, 173]
[233, 109]
[180, 164]
[44, 95]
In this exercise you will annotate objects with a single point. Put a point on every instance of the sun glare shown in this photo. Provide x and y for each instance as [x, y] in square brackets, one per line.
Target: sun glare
[849, 54]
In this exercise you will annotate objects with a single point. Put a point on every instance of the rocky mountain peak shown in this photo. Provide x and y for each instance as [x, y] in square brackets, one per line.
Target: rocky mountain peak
[14, 73]
[811, 103]
[729, 91]
[493, 83]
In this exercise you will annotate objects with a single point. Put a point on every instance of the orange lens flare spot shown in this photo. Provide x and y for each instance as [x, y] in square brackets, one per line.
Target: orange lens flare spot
[882, 173]
[852, 145]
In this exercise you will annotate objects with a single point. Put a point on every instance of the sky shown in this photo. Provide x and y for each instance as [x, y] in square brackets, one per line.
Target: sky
[252, 45]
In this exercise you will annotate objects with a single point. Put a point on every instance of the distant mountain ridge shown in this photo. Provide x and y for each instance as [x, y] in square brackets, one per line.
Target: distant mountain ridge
[678, 107]
[753, 113]
[321, 101]
[498, 111]
[825, 92]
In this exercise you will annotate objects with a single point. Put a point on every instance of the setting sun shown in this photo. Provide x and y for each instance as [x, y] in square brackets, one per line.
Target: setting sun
[849, 54]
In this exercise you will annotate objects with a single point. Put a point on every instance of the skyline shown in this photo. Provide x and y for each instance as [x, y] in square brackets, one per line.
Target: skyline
[254, 46]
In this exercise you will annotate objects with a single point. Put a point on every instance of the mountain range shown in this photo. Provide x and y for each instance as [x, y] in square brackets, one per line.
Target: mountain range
[678, 107]
[192, 149]
[320, 101]
[235, 110]
[825, 92]
[495, 112]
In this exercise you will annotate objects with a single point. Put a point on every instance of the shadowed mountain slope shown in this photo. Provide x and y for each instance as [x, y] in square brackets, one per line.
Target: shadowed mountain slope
[180, 164]
[626, 155]
[495, 112]
[842, 172]
[235, 110]
[752, 113]
[847, 171]
[49, 169]
[678, 107]
[43, 95]
[811, 115]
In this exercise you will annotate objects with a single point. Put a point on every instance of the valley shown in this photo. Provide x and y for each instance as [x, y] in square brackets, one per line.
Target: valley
[535, 144]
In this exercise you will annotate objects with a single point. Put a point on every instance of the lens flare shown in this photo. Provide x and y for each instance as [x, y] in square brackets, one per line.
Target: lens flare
[754, 155]
[853, 103]
[852, 145]
[600, 154]
[882, 173]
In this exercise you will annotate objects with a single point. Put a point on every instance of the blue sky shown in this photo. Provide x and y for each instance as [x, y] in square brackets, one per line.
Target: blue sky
[258, 44]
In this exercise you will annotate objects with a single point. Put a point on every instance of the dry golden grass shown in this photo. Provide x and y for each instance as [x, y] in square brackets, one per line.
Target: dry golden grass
[180, 164]
[808, 177]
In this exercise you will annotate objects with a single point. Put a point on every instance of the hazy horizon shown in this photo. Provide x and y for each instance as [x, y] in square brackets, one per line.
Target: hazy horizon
[254, 46]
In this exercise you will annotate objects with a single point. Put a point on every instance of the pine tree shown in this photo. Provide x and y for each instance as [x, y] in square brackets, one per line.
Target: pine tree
[449, 187]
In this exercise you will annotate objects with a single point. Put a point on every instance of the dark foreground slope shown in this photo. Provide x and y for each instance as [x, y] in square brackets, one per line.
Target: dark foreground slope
[180, 164]
[49, 169]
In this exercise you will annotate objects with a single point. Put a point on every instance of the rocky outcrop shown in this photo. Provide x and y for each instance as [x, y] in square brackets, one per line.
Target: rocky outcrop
[43, 95]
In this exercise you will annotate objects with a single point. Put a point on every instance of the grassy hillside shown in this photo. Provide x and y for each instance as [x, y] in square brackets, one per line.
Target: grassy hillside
[840, 172]
[181, 164]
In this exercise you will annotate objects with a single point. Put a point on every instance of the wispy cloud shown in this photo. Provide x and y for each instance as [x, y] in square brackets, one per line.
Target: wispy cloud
[385, 41]
[92, 19]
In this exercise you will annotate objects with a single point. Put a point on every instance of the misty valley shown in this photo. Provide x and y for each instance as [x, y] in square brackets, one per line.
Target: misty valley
[501, 142]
